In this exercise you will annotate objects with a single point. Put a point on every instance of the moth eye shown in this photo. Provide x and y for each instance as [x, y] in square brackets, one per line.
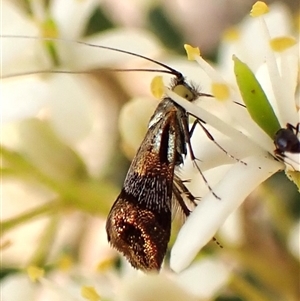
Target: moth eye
[184, 92]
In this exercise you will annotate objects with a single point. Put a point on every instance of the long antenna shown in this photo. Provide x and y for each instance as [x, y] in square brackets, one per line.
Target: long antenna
[47, 71]
[168, 70]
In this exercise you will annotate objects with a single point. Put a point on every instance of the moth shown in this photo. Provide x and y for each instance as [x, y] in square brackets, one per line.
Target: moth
[139, 222]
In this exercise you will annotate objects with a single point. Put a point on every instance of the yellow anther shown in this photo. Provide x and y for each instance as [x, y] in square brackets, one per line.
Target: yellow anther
[104, 265]
[191, 52]
[231, 34]
[282, 43]
[65, 263]
[259, 8]
[157, 87]
[89, 293]
[49, 29]
[35, 273]
[220, 91]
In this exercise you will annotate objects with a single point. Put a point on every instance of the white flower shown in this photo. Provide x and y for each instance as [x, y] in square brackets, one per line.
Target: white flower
[201, 281]
[248, 143]
[72, 117]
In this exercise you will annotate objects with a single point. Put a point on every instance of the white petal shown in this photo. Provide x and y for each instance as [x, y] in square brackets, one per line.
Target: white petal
[152, 288]
[210, 155]
[232, 230]
[15, 287]
[71, 16]
[17, 54]
[285, 110]
[61, 289]
[253, 40]
[136, 41]
[133, 123]
[71, 115]
[204, 278]
[211, 213]
[102, 113]
[14, 21]
[238, 114]
[289, 67]
[279, 20]
[248, 46]
[22, 98]
[217, 123]
[17, 199]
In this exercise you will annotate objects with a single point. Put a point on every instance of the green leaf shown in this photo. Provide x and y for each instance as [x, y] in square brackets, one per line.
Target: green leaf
[255, 99]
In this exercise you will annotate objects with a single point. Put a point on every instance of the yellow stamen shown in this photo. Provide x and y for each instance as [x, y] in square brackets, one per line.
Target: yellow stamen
[220, 91]
[89, 293]
[35, 273]
[231, 34]
[157, 87]
[104, 265]
[65, 263]
[258, 9]
[282, 43]
[191, 52]
[49, 29]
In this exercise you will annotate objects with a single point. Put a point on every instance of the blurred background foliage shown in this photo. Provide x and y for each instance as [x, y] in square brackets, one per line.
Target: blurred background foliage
[265, 268]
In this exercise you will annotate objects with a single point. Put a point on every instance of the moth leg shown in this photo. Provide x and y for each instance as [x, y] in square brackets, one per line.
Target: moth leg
[210, 136]
[187, 135]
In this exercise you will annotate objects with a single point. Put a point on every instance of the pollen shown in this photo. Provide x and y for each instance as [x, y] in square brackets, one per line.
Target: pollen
[89, 293]
[231, 34]
[35, 273]
[220, 91]
[259, 8]
[157, 87]
[282, 43]
[191, 52]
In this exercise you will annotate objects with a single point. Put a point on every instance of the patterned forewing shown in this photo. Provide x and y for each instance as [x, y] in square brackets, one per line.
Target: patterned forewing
[139, 223]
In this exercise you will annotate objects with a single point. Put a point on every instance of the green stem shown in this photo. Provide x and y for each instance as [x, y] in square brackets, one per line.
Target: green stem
[246, 290]
[45, 243]
[22, 218]
[25, 170]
